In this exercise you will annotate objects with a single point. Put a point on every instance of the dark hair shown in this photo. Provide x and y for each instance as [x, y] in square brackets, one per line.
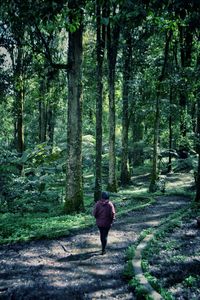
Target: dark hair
[105, 195]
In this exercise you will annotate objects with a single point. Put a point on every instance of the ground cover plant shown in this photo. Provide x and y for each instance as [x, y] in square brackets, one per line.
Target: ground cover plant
[135, 212]
[171, 260]
[17, 227]
[96, 95]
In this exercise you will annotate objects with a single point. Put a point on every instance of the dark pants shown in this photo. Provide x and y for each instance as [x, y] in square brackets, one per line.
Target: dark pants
[103, 236]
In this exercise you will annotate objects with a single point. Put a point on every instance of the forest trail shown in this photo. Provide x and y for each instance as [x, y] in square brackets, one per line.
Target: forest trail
[72, 268]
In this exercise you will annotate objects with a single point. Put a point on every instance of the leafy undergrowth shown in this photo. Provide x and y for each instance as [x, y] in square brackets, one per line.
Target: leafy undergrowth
[17, 227]
[171, 261]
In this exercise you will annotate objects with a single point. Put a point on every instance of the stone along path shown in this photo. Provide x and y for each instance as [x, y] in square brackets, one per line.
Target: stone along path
[72, 267]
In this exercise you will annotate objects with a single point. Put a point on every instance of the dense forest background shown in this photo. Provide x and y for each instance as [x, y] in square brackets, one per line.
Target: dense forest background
[92, 91]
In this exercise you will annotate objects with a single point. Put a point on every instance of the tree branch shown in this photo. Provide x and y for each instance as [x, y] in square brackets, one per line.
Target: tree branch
[47, 53]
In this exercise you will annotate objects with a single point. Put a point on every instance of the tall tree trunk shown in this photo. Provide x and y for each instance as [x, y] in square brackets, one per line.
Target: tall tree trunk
[169, 169]
[112, 48]
[74, 184]
[42, 114]
[51, 105]
[19, 101]
[50, 123]
[197, 196]
[186, 39]
[137, 153]
[127, 55]
[154, 174]
[100, 47]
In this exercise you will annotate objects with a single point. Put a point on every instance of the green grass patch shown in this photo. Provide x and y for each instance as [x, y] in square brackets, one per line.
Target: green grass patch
[192, 281]
[168, 225]
[17, 228]
[158, 243]
[21, 227]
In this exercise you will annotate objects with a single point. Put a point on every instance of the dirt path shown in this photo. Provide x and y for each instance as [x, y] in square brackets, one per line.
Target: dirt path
[72, 267]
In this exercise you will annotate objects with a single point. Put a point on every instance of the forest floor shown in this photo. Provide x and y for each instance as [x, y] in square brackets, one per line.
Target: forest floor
[73, 268]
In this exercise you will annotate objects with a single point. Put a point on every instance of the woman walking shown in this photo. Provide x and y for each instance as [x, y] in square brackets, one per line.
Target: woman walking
[104, 212]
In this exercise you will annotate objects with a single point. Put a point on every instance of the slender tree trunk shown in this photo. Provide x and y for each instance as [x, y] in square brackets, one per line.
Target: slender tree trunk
[197, 196]
[51, 106]
[15, 132]
[50, 123]
[20, 123]
[186, 39]
[112, 181]
[100, 48]
[42, 115]
[20, 101]
[47, 109]
[112, 48]
[127, 55]
[170, 132]
[74, 185]
[154, 174]
[137, 153]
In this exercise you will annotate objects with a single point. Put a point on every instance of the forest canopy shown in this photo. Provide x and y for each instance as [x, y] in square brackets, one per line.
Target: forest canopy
[90, 91]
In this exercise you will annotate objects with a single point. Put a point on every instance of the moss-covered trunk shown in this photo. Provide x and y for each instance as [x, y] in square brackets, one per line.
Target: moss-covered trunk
[154, 174]
[197, 196]
[112, 48]
[100, 48]
[42, 114]
[19, 104]
[186, 41]
[127, 54]
[74, 185]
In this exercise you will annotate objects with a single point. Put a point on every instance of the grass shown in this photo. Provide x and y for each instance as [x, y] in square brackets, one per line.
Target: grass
[159, 244]
[17, 228]
[21, 227]
[154, 246]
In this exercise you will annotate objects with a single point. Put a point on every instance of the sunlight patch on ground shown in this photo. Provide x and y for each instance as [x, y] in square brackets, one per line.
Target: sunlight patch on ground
[182, 182]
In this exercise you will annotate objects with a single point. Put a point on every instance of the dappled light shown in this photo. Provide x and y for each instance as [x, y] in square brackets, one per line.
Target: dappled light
[74, 265]
[99, 150]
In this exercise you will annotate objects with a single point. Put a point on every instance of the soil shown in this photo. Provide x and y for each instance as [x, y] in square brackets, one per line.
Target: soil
[73, 268]
[175, 261]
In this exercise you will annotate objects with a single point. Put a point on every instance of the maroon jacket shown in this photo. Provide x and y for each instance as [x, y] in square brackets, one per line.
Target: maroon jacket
[104, 212]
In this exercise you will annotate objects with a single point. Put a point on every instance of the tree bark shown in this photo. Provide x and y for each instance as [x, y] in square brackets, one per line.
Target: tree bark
[127, 55]
[50, 123]
[154, 174]
[197, 196]
[42, 114]
[137, 153]
[169, 169]
[100, 48]
[186, 39]
[19, 101]
[74, 185]
[112, 48]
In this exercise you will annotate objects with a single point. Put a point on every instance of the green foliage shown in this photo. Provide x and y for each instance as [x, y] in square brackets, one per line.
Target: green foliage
[15, 228]
[128, 271]
[191, 281]
[36, 180]
[140, 290]
[160, 243]
[155, 245]
[44, 218]
[39, 187]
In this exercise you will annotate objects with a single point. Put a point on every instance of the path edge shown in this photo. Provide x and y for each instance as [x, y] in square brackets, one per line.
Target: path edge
[137, 266]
